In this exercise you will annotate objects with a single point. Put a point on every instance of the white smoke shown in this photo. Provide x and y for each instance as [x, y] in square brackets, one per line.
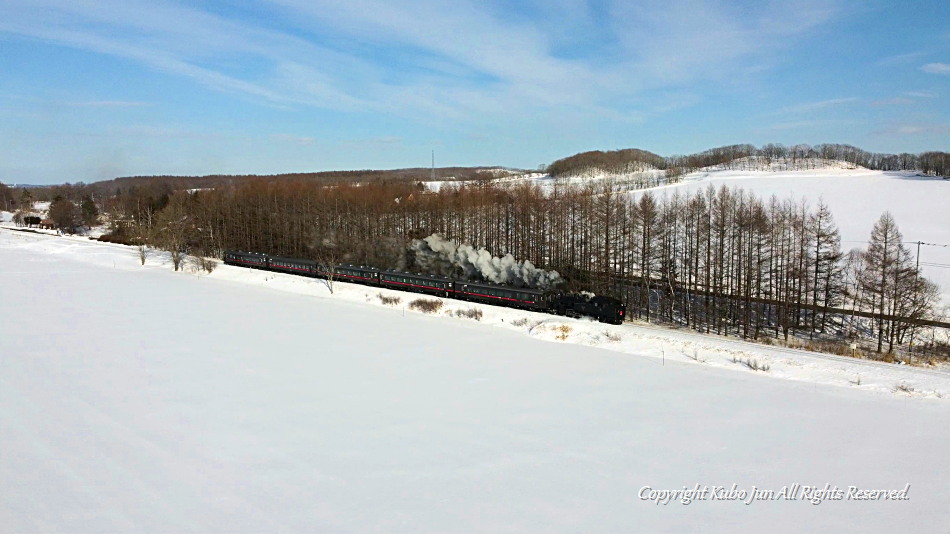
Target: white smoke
[438, 255]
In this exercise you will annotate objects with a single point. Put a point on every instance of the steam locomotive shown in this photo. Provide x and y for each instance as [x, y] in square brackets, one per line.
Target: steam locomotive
[604, 309]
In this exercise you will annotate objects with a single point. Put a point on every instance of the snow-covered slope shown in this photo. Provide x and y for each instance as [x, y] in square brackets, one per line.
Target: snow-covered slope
[137, 399]
[857, 198]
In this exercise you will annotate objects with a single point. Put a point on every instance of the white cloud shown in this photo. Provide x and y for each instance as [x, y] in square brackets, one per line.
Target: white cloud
[809, 107]
[802, 125]
[110, 104]
[913, 129]
[900, 58]
[675, 43]
[936, 68]
[430, 58]
[294, 139]
[896, 101]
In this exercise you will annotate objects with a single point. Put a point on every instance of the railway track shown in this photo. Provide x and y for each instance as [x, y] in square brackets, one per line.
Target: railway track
[758, 347]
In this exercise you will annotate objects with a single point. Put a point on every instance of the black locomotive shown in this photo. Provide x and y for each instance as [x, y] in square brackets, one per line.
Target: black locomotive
[604, 309]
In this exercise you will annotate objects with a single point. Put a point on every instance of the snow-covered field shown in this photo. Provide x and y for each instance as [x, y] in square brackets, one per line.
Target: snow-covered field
[137, 399]
[857, 198]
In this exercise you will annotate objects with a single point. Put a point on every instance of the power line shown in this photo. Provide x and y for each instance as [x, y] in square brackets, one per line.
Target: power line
[919, 243]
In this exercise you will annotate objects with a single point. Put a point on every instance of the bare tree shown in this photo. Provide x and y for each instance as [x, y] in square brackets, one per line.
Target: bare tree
[173, 228]
[328, 254]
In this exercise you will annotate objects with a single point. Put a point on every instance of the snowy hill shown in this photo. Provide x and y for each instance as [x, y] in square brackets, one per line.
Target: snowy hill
[137, 399]
[857, 198]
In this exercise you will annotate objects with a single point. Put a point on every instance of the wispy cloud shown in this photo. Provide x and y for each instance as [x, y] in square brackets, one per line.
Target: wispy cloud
[896, 101]
[448, 59]
[683, 41]
[376, 141]
[936, 68]
[801, 125]
[914, 129]
[294, 139]
[900, 58]
[808, 107]
[911, 129]
[110, 104]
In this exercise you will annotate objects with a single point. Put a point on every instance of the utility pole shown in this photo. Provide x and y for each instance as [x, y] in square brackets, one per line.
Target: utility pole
[913, 332]
[432, 174]
[918, 243]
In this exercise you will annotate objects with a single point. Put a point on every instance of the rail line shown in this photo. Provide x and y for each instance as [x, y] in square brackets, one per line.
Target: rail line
[759, 347]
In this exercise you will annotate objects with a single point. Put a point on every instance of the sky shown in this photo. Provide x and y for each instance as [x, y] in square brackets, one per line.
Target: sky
[94, 89]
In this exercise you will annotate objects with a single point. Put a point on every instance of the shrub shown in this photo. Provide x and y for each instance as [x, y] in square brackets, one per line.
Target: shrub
[121, 239]
[426, 306]
[389, 301]
[471, 313]
[199, 263]
[208, 264]
[903, 388]
[563, 331]
[520, 322]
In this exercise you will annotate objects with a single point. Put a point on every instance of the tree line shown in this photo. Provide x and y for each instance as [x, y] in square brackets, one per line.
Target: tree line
[744, 156]
[718, 261]
[613, 162]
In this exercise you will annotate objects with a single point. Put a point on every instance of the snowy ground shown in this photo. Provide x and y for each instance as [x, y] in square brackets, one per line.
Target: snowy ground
[857, 198]
[137, 399]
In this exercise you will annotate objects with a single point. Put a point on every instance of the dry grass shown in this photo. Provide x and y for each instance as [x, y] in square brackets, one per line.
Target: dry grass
[562, 332]
[389, 301]
[903, 388]
[425, 305]
[754, 365]
[471, 313]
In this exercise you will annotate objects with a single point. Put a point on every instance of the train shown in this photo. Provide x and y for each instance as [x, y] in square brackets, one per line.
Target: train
[602, 308]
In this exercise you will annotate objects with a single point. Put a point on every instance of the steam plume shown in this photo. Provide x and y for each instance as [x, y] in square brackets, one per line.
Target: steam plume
[435, 254]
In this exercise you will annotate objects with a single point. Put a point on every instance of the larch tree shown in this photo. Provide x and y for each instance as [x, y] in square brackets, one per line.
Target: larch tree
[884, 266]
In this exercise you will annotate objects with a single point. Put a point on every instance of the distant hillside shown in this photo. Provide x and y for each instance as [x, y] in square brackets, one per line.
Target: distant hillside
[745, 156]
[326, 177]
[611, 162]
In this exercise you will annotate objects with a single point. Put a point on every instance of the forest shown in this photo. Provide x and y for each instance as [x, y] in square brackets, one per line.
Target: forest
[718, 261]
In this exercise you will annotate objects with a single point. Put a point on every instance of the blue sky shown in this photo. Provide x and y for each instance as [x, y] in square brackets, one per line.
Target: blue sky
[93, 89]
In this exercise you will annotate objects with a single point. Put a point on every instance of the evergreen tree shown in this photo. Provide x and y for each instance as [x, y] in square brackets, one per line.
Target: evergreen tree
[64, 215]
